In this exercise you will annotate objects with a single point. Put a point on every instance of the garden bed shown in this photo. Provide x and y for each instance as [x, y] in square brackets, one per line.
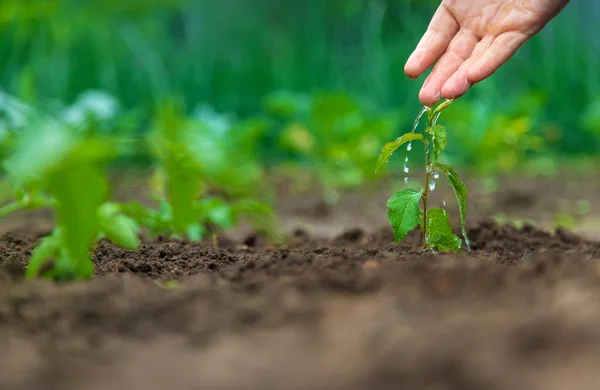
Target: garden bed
[349, 310]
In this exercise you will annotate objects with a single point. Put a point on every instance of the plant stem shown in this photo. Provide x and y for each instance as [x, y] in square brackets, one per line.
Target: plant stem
[427, 174]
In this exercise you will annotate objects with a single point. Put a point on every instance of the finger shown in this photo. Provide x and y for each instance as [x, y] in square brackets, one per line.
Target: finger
[434, 42]
[458, 51]
[458, 84]
[500, 51]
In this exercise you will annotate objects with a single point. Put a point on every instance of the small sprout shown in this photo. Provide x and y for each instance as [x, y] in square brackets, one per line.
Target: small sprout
[404, 213]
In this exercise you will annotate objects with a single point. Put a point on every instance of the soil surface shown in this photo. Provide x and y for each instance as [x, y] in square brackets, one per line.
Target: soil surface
[345, 310]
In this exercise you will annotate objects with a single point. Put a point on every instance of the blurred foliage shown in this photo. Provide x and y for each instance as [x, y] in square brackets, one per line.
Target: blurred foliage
[54, 166]
[334, 134]
[207, 176]
[337, 66]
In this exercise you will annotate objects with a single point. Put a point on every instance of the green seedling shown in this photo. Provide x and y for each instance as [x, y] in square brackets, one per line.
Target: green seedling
[58, 167]
[404, 212]
[203, 181]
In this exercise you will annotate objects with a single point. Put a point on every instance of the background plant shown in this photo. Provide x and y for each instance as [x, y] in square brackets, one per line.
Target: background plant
[334, 134]
[206, 177]
[233, 53]
[57, 167]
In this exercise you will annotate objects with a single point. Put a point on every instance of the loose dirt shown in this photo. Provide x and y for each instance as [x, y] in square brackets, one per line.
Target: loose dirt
[338, 306]
[353, 312]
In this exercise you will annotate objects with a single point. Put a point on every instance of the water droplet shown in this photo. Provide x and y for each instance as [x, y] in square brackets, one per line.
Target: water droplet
[406, 169]
[406, 180]
[431, 185]
[444, 203]
[436, 175]
[416, 124]
[409, 147]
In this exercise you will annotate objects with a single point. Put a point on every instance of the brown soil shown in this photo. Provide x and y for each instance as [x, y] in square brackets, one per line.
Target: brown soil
[347, 311]
[355, 312]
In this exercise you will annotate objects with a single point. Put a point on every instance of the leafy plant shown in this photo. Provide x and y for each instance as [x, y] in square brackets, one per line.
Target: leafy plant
[334, 134]
[404, 212]
[55, 166]
[203, 180]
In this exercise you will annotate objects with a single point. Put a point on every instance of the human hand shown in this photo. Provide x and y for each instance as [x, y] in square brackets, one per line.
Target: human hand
[471, 39]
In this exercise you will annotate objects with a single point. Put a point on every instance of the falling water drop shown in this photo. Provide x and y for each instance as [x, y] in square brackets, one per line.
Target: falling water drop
[444, 203]
[423, 110]
[435, 119]
[409, 147]
[432, 185]
[406, 180]
[436, 175]
[406, 169]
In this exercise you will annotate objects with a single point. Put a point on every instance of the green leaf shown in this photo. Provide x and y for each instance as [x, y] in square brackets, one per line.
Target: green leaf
[39, 149]
[442, 106]
[216, 211]
[460, 191]
[440, 232]
[390, 147]
[79, 191]
[403, 212]
[181, 172]
[142, 215]
[195, 232]
[118, 228]
[440, 140]
[45, 251]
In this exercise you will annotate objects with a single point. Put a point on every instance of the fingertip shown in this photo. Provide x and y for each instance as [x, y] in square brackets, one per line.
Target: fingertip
[410, 71]
[414, 64]
[429, 99]
[456, 86]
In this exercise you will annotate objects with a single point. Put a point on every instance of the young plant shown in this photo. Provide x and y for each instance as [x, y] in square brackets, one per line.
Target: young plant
[404, 212]
[61, 168]
[203, 180]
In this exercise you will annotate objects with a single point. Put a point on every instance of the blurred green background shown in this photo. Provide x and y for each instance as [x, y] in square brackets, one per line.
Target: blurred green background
[314, 82]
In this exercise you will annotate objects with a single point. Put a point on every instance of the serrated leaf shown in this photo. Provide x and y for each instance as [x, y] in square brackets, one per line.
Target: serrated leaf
[390, 147]
[403, 212]
[440, 140]
[440, 233]
[461, 194]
